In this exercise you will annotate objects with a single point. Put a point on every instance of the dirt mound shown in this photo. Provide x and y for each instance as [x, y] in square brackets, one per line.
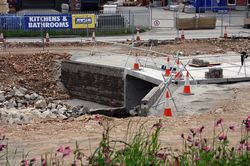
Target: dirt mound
[201, 46]
[39, 72]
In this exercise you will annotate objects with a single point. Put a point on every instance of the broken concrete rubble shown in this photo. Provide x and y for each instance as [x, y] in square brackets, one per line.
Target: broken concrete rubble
[40, 104]
[20, 105]
[200, 62]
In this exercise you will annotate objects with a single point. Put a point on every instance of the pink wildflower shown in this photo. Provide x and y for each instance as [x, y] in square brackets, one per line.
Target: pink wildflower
[43, 162]
[222, 137]
[158, 125]
[196, 143]
[33, 160]
[201, 129]
[2, 147]
[218, 122]
[66, 151]
[231, 127]
[60, 149]
[247, 123]
[24, 163]
[192, 131]
[247, 145]
[189, 139]
[206, 148]
[248, 148]
[74, 163]
[240, 147]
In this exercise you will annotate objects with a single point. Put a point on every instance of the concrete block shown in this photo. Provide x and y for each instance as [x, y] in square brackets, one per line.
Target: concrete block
[150, 99]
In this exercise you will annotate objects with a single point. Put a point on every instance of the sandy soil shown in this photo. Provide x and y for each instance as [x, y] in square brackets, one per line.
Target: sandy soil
[188, 47]
[38, 138]
[47, 136]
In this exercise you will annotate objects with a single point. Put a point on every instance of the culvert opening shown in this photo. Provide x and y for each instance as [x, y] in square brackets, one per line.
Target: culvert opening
[105, 85]
[135, 90]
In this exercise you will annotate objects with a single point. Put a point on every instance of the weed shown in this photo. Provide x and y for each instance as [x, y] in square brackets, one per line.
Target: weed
[143, 148]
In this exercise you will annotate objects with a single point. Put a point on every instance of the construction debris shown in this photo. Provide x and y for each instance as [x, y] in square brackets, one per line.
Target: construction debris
[200, 62]
[20, 105]
[198, 46]
[214, 73]
[38, 72]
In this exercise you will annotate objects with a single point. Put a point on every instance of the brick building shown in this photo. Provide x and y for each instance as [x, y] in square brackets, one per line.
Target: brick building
[238, 4]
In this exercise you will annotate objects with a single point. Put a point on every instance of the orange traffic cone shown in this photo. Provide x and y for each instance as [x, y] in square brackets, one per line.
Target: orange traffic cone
[225, 33]
[47, 37]
[138, 38]
[1, 38]
[167, 71]
[182, 35]
[167, 109]
[93, 36]
[136, 64]
[187, 89]
[177, 74]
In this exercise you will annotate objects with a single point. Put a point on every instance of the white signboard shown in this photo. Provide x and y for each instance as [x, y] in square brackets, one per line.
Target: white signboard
[161, 23]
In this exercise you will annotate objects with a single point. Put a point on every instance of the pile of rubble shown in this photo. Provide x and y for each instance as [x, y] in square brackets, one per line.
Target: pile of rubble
[197, 46]
[19, 105]
[200, 62]
[236, 45]
[51, 44]
[39, 72]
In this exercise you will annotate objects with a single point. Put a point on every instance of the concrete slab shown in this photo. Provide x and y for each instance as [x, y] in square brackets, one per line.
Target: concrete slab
[204, 95]
[230, 63]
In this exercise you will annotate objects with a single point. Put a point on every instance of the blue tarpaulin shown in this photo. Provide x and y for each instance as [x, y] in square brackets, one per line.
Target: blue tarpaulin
[11, 22]
[35, 22]
[214, 5]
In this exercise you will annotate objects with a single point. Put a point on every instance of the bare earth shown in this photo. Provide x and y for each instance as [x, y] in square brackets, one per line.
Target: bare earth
[46, 136]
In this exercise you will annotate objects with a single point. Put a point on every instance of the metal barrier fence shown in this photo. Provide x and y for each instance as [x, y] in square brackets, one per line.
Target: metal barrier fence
[127, 20]
[162, 19]
[105, 22]
[225, 15]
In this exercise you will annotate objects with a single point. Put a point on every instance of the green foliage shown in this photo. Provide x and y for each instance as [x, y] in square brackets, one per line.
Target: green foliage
[142, 148]
[198, 152]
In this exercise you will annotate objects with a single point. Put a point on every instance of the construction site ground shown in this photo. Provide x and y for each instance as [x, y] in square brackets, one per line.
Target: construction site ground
[229, 102]
[47, 136]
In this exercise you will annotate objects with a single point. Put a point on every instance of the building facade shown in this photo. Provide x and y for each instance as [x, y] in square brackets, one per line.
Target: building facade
[54, 4]
[238, 2]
